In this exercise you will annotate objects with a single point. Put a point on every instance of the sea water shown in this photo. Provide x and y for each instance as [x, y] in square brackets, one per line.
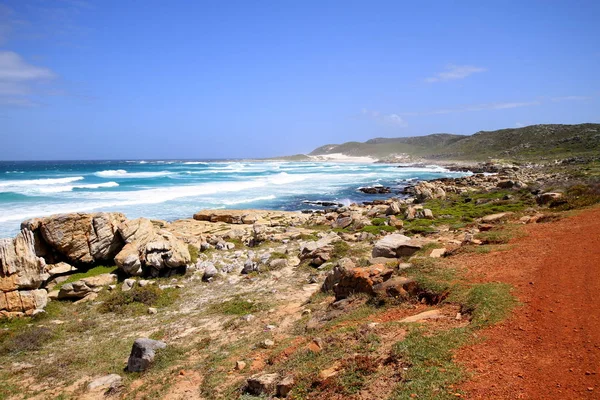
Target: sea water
[171, 189]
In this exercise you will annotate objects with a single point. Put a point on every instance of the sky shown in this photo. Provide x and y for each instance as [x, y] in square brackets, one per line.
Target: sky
[83, 79]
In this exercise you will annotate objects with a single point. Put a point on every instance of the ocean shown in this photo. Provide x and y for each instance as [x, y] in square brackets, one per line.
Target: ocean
[173, 189]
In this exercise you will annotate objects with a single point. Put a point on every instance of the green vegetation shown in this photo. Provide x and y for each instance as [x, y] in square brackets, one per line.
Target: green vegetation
[432, 372]
[378, 221]
[237, 306]
[277, 255]
[29, 338]
[193, 253]
[376, 230]
[578, 196]
[488, 303]
[138, 299]
[99, 270]
[536, 142]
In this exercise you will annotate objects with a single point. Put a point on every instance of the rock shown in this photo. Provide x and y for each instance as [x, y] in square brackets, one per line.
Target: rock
[249, 267]
[227, 216]
[262, 384]
[496, 217]
[278, 263]
[505, 184]
[398, 287]
[395, 222]
[84, 287]
[267, 343]
[342, 222]
[360, 280]
[334, 276]
[437, 253]
[432, 314]
[143, 353]
[152, 310]
[428, 214]
[60, 269]
[548, 197]
[240, 365]
[210, 271]
[148, 249]
[376, 189]
[128, 284]
[89, 297]
[393, 209]
[318, 252]
[396, 245]
[80, 237]
[166, 252]
[105, 382]
[285, 386]
[20, 267]
[486, 227]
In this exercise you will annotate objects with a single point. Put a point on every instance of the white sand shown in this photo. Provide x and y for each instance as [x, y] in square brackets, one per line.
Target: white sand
[339, 157]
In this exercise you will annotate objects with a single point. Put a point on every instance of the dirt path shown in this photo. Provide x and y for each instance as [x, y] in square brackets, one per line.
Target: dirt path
[550, 347]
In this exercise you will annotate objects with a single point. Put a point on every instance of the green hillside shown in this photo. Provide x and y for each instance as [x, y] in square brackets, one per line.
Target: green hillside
[535, 142]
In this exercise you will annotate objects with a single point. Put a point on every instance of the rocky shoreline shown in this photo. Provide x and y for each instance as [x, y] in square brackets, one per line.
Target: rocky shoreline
[48, 250]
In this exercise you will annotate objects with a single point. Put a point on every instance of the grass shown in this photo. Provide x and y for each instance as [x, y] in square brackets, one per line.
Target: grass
[457, 209]
[378, 221]
[488, 303]
[138, 299]
[193, 253]
[236, 306]
[377, 229]
[277, 256]
[431, 371]
[29, 339]
[99, 270]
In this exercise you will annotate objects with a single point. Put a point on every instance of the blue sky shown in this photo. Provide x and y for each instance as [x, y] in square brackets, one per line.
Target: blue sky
[82, 79]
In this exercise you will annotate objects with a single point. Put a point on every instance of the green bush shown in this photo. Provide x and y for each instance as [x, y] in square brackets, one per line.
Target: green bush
[378, 221]
[138, 299]
[376, 230]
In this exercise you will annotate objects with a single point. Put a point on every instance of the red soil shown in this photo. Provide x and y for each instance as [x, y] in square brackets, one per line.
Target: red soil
[550, 347]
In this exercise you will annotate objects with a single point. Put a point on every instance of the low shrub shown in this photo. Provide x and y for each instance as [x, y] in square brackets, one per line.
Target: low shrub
[138, 299]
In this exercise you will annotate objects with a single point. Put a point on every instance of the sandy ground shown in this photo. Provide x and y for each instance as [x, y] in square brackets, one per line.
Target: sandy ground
[550, 347]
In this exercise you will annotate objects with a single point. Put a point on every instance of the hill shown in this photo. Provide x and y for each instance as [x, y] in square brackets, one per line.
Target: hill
[535, 142]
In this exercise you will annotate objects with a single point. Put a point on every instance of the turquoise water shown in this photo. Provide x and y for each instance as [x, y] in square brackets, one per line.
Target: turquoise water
[177, 189]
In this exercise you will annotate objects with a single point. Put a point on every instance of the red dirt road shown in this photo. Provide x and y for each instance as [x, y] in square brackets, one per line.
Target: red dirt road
[550, 347]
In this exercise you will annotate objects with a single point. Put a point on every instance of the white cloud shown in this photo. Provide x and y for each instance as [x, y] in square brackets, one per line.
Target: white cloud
[519, 125]
[570, 98]
[474, 107]
[454, 72]
[388, 119]
[18, 79]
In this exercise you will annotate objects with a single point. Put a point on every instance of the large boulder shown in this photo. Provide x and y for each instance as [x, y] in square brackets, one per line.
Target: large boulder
[20, 267]
[396, 245]
[147, 249]
[143, 353]
[80, 237]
